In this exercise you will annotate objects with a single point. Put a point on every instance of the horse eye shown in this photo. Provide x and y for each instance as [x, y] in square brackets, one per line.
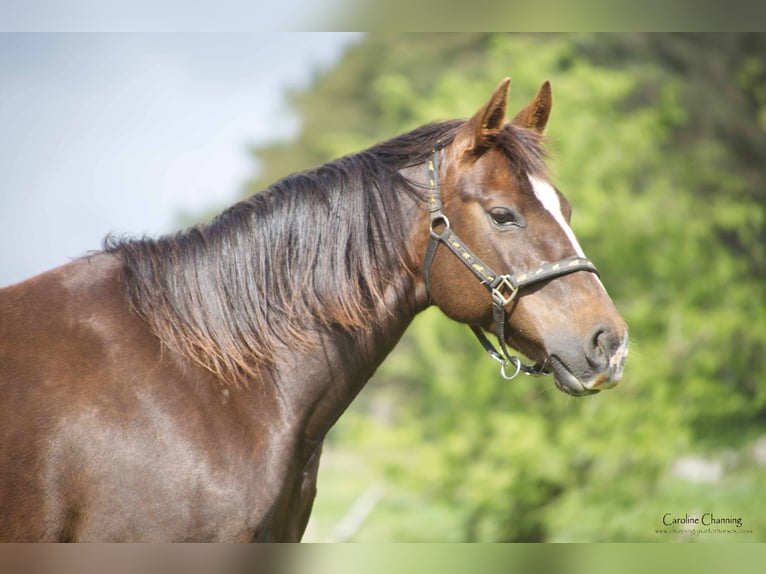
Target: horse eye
[504, 217]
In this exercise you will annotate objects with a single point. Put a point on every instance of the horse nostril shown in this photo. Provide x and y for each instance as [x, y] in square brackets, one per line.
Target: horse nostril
[600, 347]
[606, 352]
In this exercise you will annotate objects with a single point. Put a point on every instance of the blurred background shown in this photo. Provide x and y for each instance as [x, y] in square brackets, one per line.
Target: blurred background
[659, 143]
[137, 132]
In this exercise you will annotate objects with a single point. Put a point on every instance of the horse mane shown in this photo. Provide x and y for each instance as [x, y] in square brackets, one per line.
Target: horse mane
[315, 250]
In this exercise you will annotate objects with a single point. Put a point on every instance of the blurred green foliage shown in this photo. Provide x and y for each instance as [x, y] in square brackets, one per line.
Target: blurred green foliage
[660, 145]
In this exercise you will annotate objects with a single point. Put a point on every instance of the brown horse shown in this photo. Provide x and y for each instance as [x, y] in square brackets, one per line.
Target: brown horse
[181, 388]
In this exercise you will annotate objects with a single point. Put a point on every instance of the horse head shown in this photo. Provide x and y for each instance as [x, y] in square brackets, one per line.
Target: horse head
[513, 265]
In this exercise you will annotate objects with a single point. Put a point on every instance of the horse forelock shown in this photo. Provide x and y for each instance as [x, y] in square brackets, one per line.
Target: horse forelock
[524, 149]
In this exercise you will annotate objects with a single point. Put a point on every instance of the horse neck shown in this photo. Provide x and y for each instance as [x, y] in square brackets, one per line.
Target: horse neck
[316, 352]
[321, 383]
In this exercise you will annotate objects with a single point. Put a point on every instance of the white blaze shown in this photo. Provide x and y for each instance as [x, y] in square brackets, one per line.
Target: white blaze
[546, 195]
[550, 199]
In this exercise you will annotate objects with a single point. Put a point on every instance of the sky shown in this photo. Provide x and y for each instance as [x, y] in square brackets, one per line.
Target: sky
[167, 15]
[126, 133]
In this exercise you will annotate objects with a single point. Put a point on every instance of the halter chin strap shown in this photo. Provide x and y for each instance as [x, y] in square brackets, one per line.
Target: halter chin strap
[503, 288]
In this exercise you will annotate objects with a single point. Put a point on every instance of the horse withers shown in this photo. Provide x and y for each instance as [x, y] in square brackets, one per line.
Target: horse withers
[180, 388]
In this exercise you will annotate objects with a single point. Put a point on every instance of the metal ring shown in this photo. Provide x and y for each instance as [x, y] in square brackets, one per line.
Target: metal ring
[437, 220]
[517, 364]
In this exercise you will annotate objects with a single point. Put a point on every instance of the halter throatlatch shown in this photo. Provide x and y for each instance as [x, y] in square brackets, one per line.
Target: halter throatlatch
[503, 288]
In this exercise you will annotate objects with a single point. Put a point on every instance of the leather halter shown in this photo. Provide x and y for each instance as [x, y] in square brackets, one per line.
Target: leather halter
[503, 288]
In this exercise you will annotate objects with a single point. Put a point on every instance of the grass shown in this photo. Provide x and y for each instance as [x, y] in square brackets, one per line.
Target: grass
[399, 515]
[406, 515]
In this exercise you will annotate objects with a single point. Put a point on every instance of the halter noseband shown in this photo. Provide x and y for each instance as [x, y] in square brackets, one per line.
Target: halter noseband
[503, 288]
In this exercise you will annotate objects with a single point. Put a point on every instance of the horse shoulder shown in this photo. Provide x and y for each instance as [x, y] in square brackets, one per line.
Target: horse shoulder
[106, 435]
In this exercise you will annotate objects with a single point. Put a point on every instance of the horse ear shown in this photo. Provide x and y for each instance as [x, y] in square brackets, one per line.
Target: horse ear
[535, 115]
[487, 121]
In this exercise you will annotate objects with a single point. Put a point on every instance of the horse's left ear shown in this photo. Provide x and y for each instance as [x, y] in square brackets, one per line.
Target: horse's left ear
[535, 115]
[485, 123]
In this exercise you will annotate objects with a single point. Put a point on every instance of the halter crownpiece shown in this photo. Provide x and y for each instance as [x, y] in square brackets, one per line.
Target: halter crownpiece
[503, 288]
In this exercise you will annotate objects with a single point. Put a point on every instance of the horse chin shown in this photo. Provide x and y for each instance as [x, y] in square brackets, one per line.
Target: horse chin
[565, 380]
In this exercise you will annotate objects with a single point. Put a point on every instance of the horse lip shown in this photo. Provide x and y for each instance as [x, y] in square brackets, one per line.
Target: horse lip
[565, 380]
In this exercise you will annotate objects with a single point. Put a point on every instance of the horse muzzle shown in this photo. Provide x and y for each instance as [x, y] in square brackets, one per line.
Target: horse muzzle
[601, 369]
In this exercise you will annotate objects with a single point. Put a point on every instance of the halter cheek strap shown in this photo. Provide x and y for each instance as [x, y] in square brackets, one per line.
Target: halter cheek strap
[503, 288]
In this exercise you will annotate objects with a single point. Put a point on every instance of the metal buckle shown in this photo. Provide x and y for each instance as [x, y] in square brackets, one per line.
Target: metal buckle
[505, 291]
